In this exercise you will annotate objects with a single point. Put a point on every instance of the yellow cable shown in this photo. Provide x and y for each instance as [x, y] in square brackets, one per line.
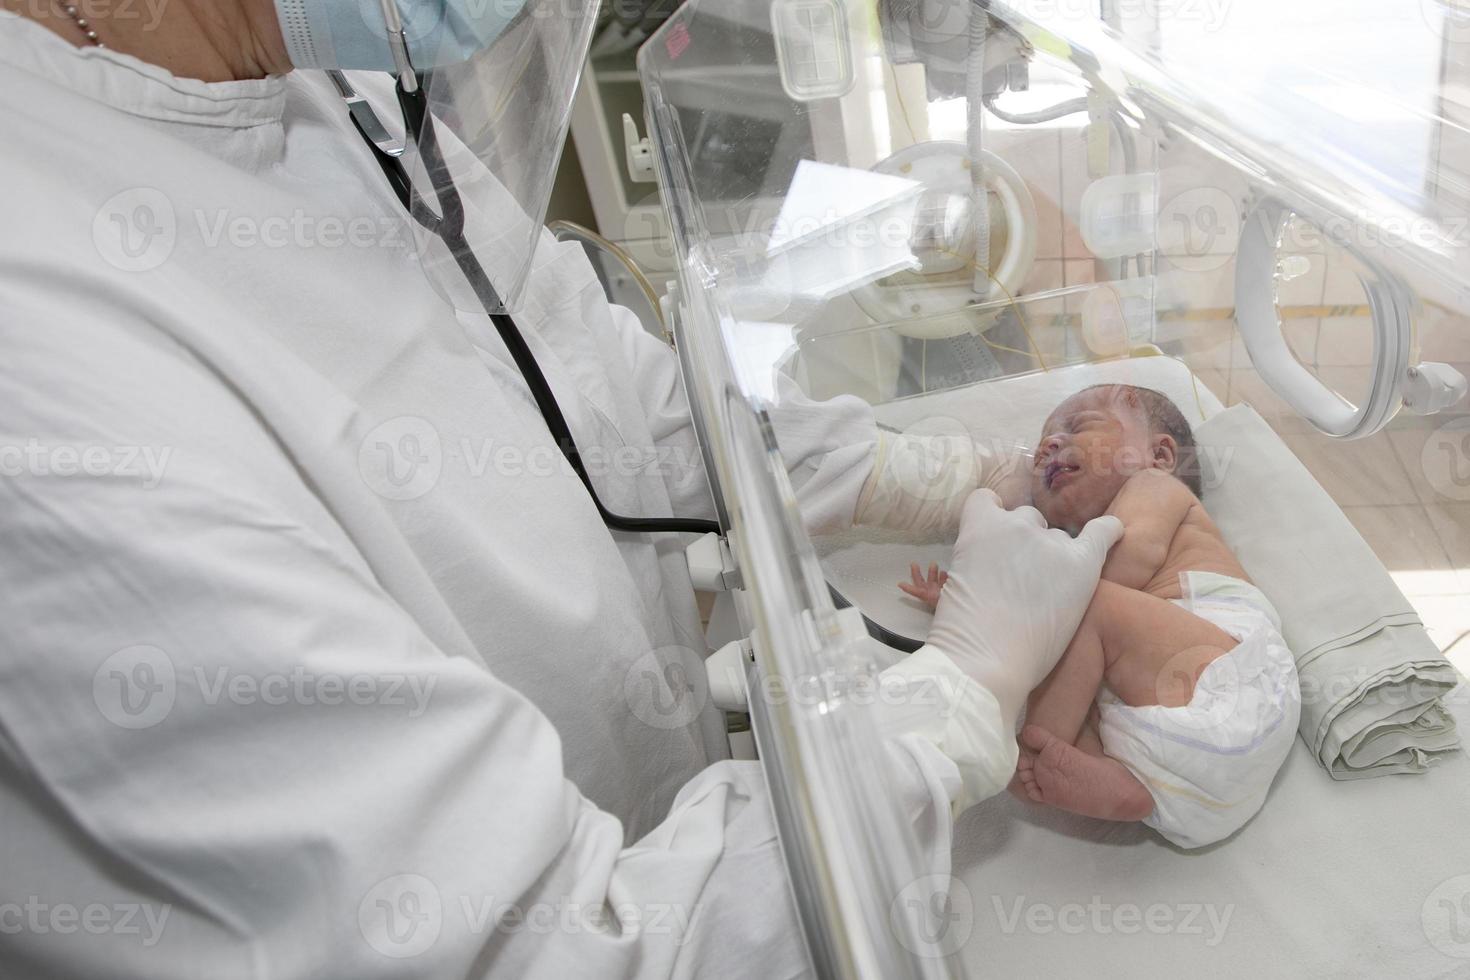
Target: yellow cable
[618, 252]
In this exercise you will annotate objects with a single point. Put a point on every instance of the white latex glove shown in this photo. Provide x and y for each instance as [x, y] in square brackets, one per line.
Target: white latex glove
[1016, 592]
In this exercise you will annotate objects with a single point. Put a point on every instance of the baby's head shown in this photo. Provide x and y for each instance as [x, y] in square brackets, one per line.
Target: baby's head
[1098, 438]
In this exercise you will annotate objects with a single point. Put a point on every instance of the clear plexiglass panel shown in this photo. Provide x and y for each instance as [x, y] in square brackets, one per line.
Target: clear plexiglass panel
[930, 205]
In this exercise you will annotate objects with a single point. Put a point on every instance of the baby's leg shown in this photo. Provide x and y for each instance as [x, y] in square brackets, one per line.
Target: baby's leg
[1154, 650]
[1050, 769]
[1076, 776]
[1151, 652]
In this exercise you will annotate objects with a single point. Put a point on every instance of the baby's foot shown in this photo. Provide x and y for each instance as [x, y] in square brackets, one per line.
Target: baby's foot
[1095, 786]
[1023, 783]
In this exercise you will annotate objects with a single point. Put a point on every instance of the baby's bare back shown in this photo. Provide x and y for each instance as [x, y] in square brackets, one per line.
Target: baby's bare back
[1166, 532]
[1195, 547]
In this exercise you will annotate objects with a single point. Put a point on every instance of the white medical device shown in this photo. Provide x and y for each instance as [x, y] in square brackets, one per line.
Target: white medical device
[953, 195]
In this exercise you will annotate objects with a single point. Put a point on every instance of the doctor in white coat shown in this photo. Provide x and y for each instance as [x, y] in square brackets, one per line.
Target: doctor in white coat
[313, 659]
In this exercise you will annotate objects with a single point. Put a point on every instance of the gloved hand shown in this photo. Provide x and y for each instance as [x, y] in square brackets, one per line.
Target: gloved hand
[1015, 595]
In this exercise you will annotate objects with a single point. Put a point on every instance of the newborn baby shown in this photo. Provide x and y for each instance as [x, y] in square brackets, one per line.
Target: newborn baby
[1177, 700]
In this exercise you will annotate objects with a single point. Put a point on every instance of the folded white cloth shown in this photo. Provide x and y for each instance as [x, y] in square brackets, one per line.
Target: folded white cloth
[1371, 678]
[1209, 763]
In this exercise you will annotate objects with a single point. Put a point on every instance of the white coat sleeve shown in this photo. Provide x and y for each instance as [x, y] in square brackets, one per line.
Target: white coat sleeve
[828, 447]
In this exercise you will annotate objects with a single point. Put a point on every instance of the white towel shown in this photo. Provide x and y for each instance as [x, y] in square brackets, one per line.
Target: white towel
[1372, 679]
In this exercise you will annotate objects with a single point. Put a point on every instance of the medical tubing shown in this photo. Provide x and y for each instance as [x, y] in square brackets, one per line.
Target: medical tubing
[1125, 138]
[1039, 116]
[449, 226]
[975, 136]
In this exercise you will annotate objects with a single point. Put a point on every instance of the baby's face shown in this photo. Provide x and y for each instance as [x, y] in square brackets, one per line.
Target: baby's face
[1090, 445]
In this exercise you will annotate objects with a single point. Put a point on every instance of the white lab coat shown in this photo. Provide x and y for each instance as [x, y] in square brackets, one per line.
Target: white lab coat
[310, 647]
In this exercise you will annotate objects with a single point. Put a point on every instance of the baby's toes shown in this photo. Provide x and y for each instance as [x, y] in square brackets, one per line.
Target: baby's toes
[1029, 785]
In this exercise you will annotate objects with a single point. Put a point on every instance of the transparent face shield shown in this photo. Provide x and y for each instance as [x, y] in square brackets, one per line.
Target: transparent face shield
[485, 137]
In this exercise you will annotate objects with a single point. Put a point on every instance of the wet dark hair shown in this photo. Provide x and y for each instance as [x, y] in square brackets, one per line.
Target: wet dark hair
[1164, 417]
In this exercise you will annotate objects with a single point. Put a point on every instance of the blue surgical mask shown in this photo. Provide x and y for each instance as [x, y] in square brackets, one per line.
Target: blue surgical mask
[352, 34]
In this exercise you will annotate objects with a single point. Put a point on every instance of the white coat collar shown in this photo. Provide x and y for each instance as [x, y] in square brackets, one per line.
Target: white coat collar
[136, 87]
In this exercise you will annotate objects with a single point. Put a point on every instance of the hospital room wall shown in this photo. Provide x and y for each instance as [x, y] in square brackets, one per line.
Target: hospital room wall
[1382, 483]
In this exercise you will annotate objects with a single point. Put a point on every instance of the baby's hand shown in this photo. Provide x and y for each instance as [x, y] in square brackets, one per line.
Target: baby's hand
[926, 590]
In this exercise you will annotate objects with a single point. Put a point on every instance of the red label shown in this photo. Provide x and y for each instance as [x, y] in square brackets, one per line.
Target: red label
[677, 41]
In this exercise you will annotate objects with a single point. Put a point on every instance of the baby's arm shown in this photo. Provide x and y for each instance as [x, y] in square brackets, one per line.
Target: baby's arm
[1152, 505]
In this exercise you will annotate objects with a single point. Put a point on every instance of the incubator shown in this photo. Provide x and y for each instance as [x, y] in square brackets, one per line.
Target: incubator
[960, 214]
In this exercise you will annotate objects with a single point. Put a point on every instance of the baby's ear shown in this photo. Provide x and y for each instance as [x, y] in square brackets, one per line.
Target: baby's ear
[1163, 452]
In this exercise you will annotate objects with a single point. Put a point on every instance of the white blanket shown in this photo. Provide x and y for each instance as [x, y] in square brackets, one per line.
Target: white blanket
[1371, 677]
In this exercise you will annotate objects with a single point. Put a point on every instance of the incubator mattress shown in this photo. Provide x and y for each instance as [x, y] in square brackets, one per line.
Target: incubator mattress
[1369, 878]
[1332, 879]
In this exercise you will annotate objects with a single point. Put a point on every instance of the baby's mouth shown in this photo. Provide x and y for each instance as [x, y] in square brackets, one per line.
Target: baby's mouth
[1057, 471]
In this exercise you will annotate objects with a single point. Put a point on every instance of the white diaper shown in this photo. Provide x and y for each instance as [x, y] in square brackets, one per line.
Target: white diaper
[1209, 763]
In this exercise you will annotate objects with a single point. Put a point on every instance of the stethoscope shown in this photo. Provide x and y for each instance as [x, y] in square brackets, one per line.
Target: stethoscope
[448, 225]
